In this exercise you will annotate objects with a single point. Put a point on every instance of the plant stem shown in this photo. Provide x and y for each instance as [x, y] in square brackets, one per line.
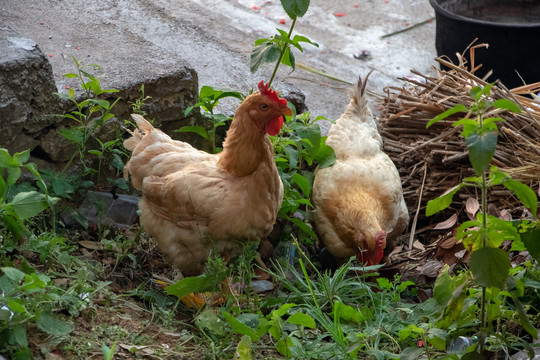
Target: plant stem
[282, 53]
[484, 242]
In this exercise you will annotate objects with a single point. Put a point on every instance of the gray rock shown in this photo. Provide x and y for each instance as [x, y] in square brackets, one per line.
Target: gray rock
[26, 87]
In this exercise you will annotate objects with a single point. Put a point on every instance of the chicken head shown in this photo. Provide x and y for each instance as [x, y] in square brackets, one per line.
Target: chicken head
[267, 110]
[372, 255]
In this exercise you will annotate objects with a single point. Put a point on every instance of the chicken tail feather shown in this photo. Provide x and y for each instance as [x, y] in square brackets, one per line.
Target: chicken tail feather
[144, 127]
[358, 107]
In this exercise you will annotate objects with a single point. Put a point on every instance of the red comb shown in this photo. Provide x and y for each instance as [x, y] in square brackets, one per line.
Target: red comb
[272, 94]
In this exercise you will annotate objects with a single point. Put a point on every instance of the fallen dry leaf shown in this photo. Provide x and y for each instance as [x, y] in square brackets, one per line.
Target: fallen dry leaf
[143, 350]
[418, 245]
[447, 224]
[431, 268]
[505, 215]
[92, 245]
[471, 208]
[448, 242]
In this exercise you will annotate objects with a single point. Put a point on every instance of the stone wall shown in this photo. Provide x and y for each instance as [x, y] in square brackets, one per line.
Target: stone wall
[28, 103]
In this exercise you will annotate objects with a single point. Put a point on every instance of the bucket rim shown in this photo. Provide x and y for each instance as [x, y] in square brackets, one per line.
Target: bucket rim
[439, 10]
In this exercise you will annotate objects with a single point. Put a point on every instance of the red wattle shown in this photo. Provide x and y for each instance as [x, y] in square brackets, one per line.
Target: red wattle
[274, 126]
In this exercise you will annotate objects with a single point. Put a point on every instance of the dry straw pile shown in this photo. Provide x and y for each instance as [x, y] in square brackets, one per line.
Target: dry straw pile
[434, 160]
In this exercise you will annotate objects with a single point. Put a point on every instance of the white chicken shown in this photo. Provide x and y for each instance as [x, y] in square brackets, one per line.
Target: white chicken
[358, 201]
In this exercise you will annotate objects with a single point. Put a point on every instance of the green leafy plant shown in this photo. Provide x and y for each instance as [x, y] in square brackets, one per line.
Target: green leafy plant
[209, 98]
[255, 326]
[299, 148]
[15, 209]
[138, 105]
[90, 114]
[278, 47]
[489, 265]
[100, 153]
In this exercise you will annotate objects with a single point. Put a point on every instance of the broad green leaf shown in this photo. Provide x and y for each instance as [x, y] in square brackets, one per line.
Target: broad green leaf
[437, 338]
[34, 281]
[469, 125]
[283, 345]
[295, 8]
[496, 177]
[13, 274]
[302, 226]
[288, 58]
[194, 129]
[260, 41]
[444, 286]
[22, 157]
[299, 38]
[348, 313]
[303, 184]
[326, 156]
[411, 353]
[292, 154]
[243, 350]
[16, 307]
[442, 202]
[18, 337]
[531, 240]
[490, 267]
[524, 193]
[500, 230]
[239, 327]
[492, 122]
[481, 147]
[313, 134]
[447, 113]
[50, 324]
[13, 174]
[477, 91]
[188, 110]
[263, 53]
[525, 319]
[507, 104]
[5, 159]
[28, 204]
[302, 319]
[106, 117]
[472, 238]
[209, 320]
[282, 310]
[192, 284]
[453, 310]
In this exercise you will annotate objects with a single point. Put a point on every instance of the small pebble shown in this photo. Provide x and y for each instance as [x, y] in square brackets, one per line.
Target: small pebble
[260, 286]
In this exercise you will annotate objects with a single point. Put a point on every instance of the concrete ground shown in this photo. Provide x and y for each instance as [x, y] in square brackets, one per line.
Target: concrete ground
[135, 39]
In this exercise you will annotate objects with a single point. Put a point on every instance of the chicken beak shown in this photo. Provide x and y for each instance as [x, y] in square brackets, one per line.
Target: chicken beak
[286, 111]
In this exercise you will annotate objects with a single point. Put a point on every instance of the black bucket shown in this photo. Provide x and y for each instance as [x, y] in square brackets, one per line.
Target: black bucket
[510, 27]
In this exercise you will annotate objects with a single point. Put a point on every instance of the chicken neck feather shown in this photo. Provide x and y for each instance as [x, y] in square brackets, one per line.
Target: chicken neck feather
[245, 147]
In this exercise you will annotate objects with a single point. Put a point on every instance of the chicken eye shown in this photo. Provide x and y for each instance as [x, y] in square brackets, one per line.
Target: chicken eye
[263, 107]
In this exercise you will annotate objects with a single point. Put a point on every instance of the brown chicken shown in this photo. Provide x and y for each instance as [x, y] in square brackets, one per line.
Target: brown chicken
[359, 205]
[194, 202]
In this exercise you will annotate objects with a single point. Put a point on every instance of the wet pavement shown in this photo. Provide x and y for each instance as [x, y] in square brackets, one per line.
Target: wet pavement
[132, 40]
